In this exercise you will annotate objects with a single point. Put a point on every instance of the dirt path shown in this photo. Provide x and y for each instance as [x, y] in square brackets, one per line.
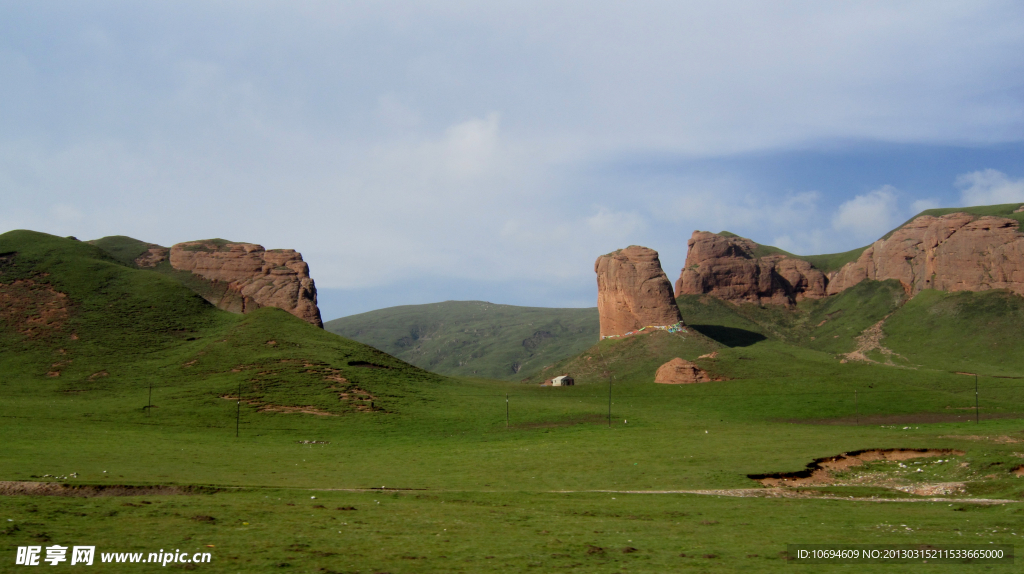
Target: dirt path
[871, 340]
[790, 493]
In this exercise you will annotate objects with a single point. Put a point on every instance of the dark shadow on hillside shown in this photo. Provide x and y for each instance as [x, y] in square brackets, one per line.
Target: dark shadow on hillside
[729, 336]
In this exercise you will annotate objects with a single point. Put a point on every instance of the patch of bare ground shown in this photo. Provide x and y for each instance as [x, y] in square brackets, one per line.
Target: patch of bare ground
[778, 492]
[1002, 439]
[905, 418]
[33, 309]
[362, 400]
[18, 487]
[347, 391]
[263, 407]
[820, 472]
[871, 340]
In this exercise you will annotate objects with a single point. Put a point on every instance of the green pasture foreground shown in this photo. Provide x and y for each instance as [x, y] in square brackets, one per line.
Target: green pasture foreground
[486, 498]
[287, 530]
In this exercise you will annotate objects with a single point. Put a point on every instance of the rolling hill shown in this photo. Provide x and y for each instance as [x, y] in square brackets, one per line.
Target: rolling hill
[474, 338]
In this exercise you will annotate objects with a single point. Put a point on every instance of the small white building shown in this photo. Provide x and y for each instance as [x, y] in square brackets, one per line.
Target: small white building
[562, 381]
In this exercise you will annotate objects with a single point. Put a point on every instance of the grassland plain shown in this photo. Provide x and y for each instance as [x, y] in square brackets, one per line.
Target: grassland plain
[553, 486]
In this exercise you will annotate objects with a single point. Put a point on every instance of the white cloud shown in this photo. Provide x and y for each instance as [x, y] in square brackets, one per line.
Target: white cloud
[470, 147]
[869, 216]
[989, 187]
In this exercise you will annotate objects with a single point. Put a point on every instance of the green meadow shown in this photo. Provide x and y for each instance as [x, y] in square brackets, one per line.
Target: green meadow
[298, 450]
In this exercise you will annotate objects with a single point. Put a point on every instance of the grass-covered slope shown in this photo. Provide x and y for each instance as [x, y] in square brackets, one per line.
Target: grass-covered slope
[122, 248]
[76, 321]
[963, 331]
[474, 338]
[634, 358]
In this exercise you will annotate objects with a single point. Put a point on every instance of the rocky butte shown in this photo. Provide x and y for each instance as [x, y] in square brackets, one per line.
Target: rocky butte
[633, 292]
[252, 277]
[954, 252]
[737, 269]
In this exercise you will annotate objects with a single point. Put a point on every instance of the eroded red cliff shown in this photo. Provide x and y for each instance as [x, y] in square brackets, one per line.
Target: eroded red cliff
[253, 276]
[729, 268]
[954, 252]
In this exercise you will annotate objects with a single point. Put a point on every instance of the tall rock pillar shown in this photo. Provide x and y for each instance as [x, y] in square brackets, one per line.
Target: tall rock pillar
[633, 292]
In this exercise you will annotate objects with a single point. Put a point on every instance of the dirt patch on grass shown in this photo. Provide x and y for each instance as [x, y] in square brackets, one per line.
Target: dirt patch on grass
[802, 493]
[905, 418]
[17, 487]
[33, 309]
[1002, 439]
[819, 472]
[871, 340]
[263, 407]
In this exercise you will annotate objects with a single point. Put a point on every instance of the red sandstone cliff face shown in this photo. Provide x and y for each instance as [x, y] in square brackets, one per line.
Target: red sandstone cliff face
[727, 268]
[260, 278]
[633, 292]
[955, 252]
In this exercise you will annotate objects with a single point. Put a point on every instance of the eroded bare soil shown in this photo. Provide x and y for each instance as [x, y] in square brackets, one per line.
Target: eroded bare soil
[821, 472]
[17, 487]
[33, 309]
[871, 340]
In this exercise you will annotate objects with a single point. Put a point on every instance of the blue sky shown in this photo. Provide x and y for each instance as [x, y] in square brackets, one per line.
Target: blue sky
[423, 151]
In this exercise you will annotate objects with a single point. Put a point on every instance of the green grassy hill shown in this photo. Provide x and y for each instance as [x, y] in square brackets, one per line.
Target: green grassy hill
[80, 322]
[474, 338]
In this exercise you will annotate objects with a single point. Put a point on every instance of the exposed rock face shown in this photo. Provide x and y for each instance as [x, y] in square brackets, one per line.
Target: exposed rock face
[680, 372]
[727, 268]
[260, 278]
[955, 252]
[633, 292]
[152, 257]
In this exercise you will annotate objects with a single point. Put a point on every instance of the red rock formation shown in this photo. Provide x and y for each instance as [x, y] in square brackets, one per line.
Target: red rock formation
[261, 278]
[633, 292]
[680, 372]
[955, 252]
[727, 268]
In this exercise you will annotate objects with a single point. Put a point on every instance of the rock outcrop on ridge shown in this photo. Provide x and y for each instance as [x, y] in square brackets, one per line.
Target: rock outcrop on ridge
[728, 268]
[258, 278]
[680, 372]
[152, 257]
[954, 252]
[633, 292]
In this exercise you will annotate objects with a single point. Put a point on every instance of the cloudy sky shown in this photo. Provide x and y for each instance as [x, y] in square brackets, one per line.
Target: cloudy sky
[423, 151]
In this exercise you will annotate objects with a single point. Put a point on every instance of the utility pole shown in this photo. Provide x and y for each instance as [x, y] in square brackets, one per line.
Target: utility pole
[238, 410]
[506, 410]
[977, 411]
